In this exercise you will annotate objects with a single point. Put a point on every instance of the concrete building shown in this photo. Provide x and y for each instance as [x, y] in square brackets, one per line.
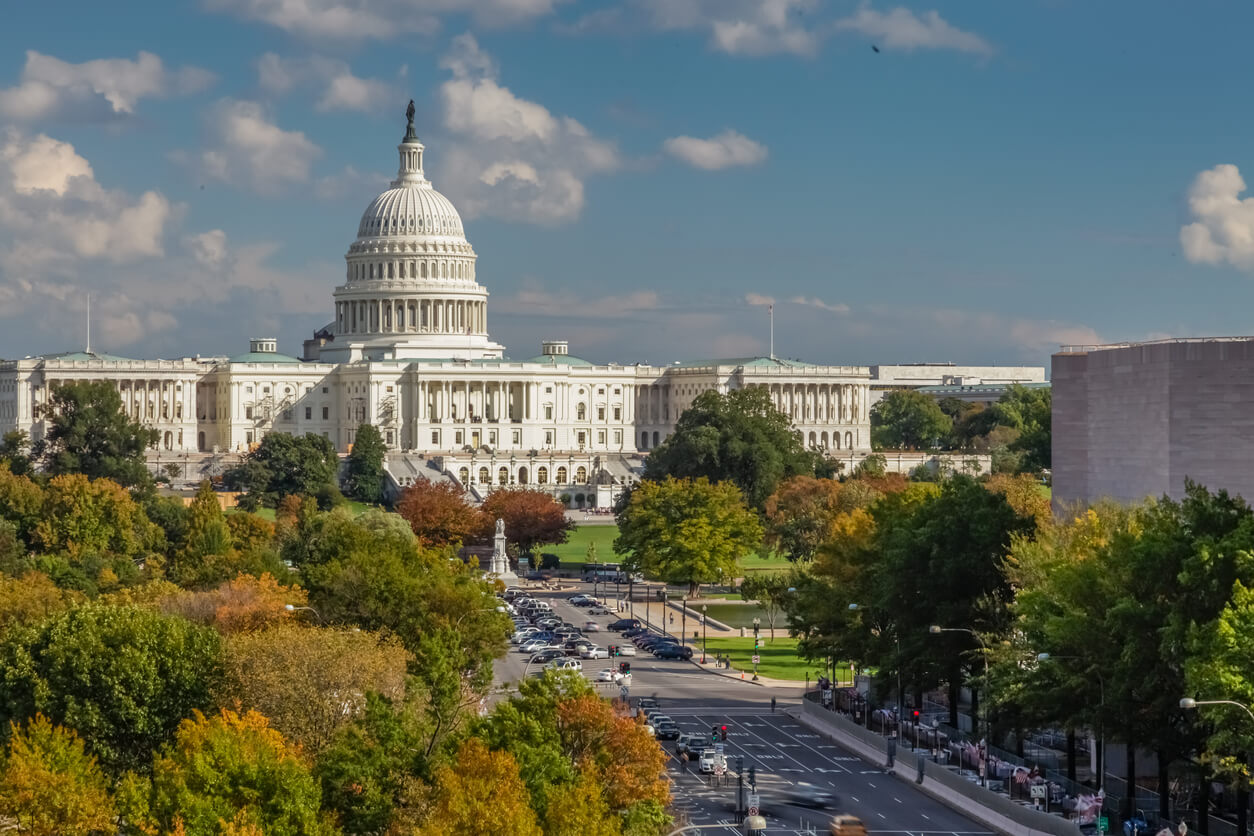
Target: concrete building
[888, 378]
[981, 393]
[1133, 420]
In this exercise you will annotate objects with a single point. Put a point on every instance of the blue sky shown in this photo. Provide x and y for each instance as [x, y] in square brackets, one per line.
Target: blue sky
[637, 176]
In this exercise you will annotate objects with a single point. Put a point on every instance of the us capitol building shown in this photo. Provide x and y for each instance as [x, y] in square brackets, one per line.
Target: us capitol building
[409, 351]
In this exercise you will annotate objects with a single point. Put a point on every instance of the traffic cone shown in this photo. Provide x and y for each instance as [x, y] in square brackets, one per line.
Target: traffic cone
[742, 674]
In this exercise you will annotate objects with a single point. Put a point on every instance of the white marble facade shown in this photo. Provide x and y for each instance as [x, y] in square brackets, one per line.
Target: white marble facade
[409, 351]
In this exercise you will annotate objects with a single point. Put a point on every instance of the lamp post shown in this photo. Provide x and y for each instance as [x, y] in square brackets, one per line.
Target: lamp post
[1101, 716]
[704, 608]
[683, 621]
[293, 608]
[757, 626]
[1189, 704]
[936, 629]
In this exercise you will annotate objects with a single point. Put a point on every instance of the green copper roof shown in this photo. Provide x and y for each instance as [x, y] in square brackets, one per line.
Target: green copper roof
[744, 361]
[78, 356]
[264, 357]
[559, 360]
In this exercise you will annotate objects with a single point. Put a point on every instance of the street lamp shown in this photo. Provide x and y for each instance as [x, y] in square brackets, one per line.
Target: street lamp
[1189, 704]
[1101, 715]
[704, 608]
[757, 622]
[473, 612]
[936, 629]
[293, 608]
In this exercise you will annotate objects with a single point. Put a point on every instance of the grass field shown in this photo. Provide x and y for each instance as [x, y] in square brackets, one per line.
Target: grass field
[574, 552]
[268, 513]
[779, 659]
[738, 615]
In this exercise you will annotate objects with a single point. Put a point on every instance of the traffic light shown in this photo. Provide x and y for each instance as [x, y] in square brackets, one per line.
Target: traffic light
[915, 715]
[753, 777]
[722, 733]
[714, 734]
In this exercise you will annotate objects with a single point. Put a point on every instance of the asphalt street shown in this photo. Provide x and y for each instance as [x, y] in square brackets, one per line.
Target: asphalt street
[792, 763]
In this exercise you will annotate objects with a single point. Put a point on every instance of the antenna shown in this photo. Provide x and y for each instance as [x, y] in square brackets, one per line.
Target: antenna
[87, 348]
[770, 309]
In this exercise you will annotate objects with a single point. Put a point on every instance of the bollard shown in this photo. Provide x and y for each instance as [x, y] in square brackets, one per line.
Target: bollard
[772, 705]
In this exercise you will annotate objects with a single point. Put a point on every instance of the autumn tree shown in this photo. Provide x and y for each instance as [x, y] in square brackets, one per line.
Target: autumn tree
[532, 518]
[230, 767]
[738, 437]
[21, 503]
[1024, 494]
[122, 677]
[439, 513]
[50, 786]
[30, 599]
[89, 433]
[82, 517]
[685, 531]
[799, 515]
[241, 604]
[480, 792]
[309, 681]
[363, 477]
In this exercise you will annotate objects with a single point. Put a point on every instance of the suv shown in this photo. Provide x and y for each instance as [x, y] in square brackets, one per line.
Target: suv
[624, 624]
[673, 651]
[690, 745]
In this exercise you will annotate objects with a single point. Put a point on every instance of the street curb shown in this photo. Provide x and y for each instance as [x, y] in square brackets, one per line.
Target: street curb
[763, 681]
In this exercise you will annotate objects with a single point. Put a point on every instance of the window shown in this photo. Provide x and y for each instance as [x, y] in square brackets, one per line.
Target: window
[435, 442]
[324, 390]
[463, 475]
[601, 437]
[458, 438]
[548, 390]
[308, 413]
[517, 437]
[618, 436]
[561, 476]
[248, 437]
[581, 475]
[618, 413]
[389, 389]
[583, 439]
[617, 391]
[542, 476]
[326, 413]
[548, 412]
[548, 438]
[600, 413]
[287, 414]
[389, 438]
[248, 413]
[492, 437]
[484, 478]
[581, 412]
[248, 390]
[265, 390]
[502, 476]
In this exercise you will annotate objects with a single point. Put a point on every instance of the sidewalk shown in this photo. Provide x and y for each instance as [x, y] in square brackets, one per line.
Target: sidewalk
[747, 676]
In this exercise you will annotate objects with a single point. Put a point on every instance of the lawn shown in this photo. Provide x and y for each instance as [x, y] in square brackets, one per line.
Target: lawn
[779, 659]
[268, 513]
[574, 552]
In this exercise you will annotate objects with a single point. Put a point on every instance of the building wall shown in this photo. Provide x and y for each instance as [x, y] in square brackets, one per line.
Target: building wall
[1136, 420]
[886, 378]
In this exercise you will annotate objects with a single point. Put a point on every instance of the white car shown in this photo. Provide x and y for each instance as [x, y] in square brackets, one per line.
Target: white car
[706, 762]
[608, 675]
[522, 635]
[533, 645]
[593, 652]
[565, 665]
[626, 650]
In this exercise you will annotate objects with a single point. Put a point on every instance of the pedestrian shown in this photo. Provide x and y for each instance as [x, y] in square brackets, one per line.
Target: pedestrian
[772, 705]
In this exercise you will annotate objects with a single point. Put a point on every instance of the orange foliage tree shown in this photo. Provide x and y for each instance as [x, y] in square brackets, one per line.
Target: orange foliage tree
[532, 518]
[438, 513]
[627, 760]
[799, 515]
[244, 603]
[1023, 493]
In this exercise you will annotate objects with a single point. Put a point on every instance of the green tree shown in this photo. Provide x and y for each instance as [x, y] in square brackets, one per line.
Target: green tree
[90, 433]
[908, 420]
[738, 437]
[771, 591]
[121, 676]
[15, 450]
[50, 786]
[800, 513]
[287, 465]
[364, 472]
[685, 531]
[232, 768]
[207, 535]
[1030, 412]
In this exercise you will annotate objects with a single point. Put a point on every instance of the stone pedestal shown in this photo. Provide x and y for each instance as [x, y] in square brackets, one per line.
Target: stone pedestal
[500, 560]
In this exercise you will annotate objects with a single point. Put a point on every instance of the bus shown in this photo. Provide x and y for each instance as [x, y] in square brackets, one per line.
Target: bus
[604, 572]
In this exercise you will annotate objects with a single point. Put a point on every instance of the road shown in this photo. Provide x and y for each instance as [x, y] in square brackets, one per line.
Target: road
[789, 759]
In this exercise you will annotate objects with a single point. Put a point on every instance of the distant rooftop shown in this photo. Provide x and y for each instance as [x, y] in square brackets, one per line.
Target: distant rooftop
[744, 361]
[977, 387]
[1084, 349]
[80, 356]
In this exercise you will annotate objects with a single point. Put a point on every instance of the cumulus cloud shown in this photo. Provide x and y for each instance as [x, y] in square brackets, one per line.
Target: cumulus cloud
[816, 302]
[208, 248]
[1223, 228]
[513, 158]
[103, 88]
[378, 19]
[251, 150]
[723, 150]
[758, 300]
[340, 89]
[903, 29]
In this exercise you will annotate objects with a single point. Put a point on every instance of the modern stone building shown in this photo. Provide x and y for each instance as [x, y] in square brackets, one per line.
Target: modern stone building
[1133, 420]
[888, 378]
[408, 350]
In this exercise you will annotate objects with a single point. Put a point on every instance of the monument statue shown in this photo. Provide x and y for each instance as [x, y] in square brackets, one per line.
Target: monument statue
[409, 113]
[500, 558]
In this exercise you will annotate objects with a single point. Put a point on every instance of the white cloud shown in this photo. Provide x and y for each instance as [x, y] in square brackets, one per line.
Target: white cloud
[724, 150]
[1223, 227]
[534, 299]
[341, 90]
[816, 302]
[903, 29]
[758, 300]
[109, 87]
[740, 27]
[253, 151]
[209, 248]
[513, 158]
[379, 19]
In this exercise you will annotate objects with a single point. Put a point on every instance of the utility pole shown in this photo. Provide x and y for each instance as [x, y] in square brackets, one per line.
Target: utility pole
[740, 789]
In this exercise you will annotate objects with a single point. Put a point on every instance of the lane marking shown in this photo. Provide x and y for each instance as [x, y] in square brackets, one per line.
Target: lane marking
[869, 784]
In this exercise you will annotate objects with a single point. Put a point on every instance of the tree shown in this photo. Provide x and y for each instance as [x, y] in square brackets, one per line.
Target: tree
[799, 515]
[438, 512]
[1024, 494]
[122, 677]
[287, 465]
[531, 516]
[231, 767]
[1030, 411]
[580, 809]
[30, 599]
[480, 792]
[15, 452]
[738, 437]
[84, 517]
[771, 593]
[207, 536]
[50, 786]
[909, 420]
[310, 681]
[241, 604]
[90, 433]
[685, 531]
[364, 476]
[21, 503]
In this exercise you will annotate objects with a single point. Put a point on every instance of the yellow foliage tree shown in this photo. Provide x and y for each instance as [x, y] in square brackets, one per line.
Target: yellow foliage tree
[83, 517]
[51, 786]
[481, 792]
[244, 603]
[28, 600]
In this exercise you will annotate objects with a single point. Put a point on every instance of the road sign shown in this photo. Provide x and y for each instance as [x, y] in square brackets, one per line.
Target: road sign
[756, 658]
[754, 803]
[1103, 824]
[718, 748]
[1038, 790]
[623, 691]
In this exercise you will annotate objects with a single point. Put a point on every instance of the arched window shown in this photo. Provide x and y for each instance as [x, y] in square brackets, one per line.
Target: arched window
[542, 476]
[444, 269]
[502, 476]
[849, 441]
[463, 476]
[581, 412]
[391, 270]
[836, 440]
[644, 440]
[402, 269]
[823, 440]
[522, 475]
[581, 475]
[655, 438]
[424, 269]
[561, 476]
[813, 439]
[484, 477]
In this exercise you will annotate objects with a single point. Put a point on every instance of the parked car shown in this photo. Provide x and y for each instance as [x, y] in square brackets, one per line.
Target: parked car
[599, 609]
[625, 649]
[594, 652]
[547, 655]
[624, 624]
[673, 651]
[565, 665]
[608, 675]
[531, 645]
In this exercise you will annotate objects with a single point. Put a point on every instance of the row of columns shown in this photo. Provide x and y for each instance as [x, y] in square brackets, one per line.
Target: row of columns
[411, 316]
[454, 270]
[803, 403]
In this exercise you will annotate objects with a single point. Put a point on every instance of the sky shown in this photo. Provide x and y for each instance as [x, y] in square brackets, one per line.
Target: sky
[973, 182]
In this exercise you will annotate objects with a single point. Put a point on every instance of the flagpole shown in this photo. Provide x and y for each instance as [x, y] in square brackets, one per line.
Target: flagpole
[771, 311]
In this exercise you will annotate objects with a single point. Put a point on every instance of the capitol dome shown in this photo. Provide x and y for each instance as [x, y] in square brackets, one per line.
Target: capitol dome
[410, 288]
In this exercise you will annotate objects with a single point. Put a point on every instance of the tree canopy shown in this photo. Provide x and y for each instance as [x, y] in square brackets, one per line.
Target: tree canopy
[287, 465]
[89, 433]
[909, 420]
[532, 518]
[685, 531]
[439, 513]
[363, 474]
[50, 786]
[739, 437]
